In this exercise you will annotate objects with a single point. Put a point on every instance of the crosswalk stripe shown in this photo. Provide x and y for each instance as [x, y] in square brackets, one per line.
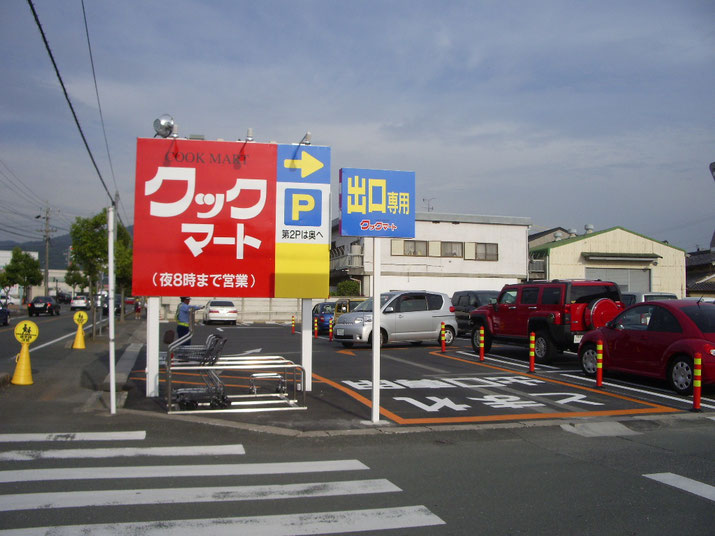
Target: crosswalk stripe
[200, 450]
[76, 436]
[686, 484]
[133, 497]
[171, 471]
[275, 525]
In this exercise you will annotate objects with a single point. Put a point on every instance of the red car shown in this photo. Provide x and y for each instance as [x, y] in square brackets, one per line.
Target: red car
[657, 339]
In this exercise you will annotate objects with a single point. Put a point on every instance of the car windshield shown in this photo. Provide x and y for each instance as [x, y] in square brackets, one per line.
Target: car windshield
[703, 315]
[588, 293]
[219, 303]
[41, 299]
[366, 306]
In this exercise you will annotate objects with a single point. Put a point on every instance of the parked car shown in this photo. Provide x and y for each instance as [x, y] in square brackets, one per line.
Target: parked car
[345, 305]
[656, 339]
[558, 312]
[43, 305]
[629, 298]
[220, 311]
[465, 301]
[323, 312]
[4, 315]
[413, 316]
[63, 297]
[79, 302]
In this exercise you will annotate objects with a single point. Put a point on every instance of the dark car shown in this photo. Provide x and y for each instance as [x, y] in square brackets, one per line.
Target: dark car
[323, 312]
[465, 301]
[43, 305]
[4, 316]
[656, 339]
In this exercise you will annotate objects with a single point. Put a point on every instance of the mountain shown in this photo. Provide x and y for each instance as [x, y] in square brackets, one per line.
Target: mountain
[59, 249]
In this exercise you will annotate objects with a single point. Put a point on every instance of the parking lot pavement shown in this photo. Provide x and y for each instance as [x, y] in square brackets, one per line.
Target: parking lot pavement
[420, 387]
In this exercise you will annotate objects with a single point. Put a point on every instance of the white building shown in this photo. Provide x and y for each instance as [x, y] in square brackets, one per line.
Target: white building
[450, 252]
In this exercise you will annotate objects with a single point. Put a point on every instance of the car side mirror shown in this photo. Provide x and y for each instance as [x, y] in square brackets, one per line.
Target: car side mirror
[495, 305]
[389, 309]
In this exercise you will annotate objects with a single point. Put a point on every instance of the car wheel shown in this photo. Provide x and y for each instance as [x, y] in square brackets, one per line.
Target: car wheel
[449, 336]
[543, 347]
[589, 360]
[475, 340]
[680, 375]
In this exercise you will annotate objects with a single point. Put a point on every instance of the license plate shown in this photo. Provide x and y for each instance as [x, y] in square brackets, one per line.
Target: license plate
[577, 338]
[340, 332]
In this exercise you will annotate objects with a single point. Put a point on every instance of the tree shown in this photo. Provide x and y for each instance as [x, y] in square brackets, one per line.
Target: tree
[348, 288]
[90, 252]
[75, 278]
[23, 270]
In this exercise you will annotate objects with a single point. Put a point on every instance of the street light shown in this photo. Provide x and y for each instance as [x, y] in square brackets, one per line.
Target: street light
[164, 126]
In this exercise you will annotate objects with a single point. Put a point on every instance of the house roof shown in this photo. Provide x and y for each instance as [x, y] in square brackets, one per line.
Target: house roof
[545, 248]
[535, 236]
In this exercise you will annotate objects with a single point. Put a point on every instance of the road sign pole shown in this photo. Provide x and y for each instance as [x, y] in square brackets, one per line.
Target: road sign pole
[376, 242]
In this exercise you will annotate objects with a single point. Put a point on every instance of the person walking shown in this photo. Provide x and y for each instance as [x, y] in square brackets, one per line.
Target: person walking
[183, 317]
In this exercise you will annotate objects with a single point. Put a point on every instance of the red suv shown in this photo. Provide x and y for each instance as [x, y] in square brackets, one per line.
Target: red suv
[558, 312]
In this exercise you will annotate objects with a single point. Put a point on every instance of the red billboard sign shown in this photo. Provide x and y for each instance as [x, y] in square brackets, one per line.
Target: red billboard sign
[236, 219]
[204, 218]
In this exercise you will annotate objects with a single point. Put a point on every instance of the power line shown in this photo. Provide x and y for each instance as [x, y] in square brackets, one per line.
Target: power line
[67, 98]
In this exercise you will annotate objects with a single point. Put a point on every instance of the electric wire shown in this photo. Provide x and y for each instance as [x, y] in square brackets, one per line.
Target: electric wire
[99, 105]
[67, 98]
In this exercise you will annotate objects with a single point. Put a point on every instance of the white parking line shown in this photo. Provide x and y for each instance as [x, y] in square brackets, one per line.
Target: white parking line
[172, 471]
[643, 391]
[201, 450]
[126, 497]
[686, 484]
[508, 361]
[78, 436]
[378, 519]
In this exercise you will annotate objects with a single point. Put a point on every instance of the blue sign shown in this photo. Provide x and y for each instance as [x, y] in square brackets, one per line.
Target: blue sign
[378, 203]
[303, 207]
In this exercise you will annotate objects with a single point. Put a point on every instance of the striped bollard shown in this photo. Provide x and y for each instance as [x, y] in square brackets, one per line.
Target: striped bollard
[441, 338]
[532, 356]
[481, 343]
[697, 381]
[292, 325]
[599, 364]
[330, 329]
[315, 327]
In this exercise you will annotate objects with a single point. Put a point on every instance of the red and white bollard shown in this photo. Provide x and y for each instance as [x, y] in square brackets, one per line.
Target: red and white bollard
[315, 327]
[532, 353]
[697, 381]
[292, 325]
[441, 338]
[330, 329]
[481, 343]
[599, 364]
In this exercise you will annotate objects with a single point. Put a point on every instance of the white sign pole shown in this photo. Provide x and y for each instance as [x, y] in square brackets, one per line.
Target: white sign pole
[376, 303]
[110, 312]
[152, 347]
[307, 342]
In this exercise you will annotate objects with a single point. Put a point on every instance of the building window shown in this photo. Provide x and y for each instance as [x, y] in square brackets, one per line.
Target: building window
[452, 249]
[487, 252]
[416, 248]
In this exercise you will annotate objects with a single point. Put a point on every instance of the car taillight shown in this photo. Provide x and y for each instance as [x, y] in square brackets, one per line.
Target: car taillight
[321, 318]
[214, 311]
[451, 308]
[567, 313]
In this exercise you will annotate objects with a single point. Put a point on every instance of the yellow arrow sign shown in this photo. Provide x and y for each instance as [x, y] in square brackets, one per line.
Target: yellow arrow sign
[307, 164]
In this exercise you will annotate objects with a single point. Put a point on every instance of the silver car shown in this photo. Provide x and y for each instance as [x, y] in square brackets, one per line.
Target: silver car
[407, 316]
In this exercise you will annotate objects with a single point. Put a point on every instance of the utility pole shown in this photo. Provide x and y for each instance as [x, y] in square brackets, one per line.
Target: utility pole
[46, 233]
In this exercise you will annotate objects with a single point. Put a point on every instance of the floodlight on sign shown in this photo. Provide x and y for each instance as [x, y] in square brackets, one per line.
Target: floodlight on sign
[164, 126]
[712, 169]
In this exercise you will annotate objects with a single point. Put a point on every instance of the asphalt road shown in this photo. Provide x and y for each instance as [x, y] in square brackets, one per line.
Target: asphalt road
[639, 473]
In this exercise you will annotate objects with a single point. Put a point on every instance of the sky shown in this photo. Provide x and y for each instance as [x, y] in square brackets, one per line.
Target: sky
[566, 112]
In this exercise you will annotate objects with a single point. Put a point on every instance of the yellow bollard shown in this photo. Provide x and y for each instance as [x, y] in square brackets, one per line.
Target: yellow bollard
[25, 333]
[80, 318]
[23, 371]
